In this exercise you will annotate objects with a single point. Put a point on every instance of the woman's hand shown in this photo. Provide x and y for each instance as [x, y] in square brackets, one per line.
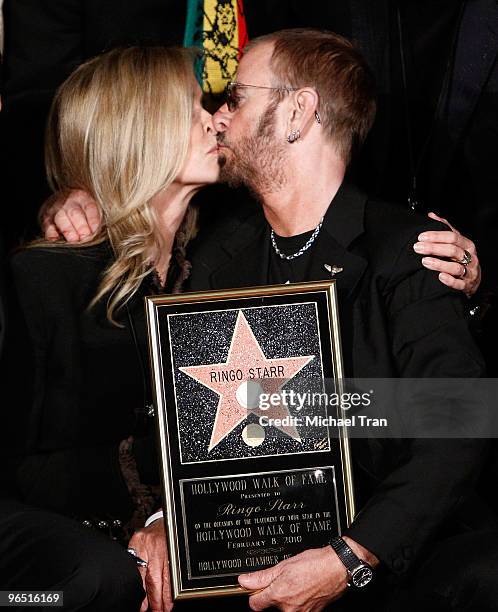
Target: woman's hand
[73, 216]
[451, 245]
[150, 545]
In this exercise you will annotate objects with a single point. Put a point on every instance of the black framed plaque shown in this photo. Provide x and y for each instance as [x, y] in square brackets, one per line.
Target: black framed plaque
[254, 452]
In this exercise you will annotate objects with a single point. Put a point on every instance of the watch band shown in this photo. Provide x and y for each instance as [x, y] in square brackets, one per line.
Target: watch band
[345, 554]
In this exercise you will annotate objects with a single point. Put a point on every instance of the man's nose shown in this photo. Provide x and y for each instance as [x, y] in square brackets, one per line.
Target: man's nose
[221, 118]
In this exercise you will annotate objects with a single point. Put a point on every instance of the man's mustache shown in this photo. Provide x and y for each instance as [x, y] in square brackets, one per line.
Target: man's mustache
[221, 137]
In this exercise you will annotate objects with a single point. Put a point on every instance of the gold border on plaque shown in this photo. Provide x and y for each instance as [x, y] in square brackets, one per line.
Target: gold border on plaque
[157, 380]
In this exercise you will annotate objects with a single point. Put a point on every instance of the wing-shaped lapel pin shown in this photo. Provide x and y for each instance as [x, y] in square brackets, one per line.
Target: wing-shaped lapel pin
[333, 269]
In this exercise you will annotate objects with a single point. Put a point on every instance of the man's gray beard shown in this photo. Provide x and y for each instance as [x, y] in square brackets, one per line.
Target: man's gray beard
[256, 161]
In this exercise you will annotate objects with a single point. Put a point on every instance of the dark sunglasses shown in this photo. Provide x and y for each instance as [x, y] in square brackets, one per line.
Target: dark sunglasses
[232, 99]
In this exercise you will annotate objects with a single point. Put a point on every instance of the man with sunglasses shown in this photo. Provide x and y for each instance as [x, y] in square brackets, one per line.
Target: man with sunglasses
[302, 102]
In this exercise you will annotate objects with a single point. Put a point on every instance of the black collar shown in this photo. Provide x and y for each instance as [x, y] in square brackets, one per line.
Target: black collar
[345, 215]
[343, 221]
[242, 259]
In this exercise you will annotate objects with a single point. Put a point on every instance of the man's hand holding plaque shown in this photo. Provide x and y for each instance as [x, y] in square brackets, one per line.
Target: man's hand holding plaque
[306, 582]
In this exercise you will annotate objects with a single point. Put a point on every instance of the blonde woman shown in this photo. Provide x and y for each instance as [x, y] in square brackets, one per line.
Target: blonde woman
[129, 129]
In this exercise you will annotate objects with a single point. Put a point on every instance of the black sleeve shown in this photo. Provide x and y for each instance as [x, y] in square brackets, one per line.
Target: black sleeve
[430, 338]
[53, 470]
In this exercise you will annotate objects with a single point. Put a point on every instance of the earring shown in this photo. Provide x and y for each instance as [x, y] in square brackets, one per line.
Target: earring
[317, 118]
[293, 136]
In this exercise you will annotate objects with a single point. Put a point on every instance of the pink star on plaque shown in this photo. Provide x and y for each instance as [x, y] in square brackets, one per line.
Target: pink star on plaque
[246, 361]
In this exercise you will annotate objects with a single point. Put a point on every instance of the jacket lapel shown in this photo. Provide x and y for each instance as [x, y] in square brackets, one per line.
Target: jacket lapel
[343, 223]
[330, 253]
[246, 256]
[245, 253]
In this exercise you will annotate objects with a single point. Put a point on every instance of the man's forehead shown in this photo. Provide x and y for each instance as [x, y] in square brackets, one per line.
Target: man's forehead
[254, 67]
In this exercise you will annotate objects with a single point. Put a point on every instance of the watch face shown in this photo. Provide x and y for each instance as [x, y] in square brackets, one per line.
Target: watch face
[362, 576]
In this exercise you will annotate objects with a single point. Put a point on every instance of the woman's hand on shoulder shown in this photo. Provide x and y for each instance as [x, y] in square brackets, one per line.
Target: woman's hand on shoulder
[460, 268]
[74, 216]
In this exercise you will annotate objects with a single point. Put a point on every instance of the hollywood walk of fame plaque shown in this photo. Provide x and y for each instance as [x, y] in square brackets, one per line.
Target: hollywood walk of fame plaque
[254, 455]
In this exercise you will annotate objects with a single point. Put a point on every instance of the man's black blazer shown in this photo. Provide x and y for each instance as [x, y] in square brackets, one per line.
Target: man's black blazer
[397, 320]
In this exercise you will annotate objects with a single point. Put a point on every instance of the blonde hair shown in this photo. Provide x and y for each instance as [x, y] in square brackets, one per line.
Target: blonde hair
[119, 129]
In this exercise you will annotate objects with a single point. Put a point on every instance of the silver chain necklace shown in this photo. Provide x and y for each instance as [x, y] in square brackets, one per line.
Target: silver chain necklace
[302, 249]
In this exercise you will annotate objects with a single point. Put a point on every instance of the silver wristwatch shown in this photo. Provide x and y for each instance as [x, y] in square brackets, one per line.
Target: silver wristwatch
[360, 572]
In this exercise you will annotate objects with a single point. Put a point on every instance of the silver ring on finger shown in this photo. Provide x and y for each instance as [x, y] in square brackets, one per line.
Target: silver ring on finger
[463, 274]
[467, 258]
